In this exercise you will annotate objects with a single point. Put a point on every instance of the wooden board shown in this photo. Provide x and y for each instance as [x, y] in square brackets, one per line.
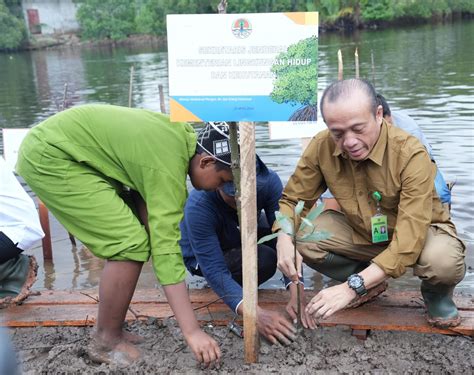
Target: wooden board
[398, 311]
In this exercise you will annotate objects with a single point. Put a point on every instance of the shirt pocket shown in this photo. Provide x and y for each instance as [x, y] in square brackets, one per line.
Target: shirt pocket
[390, 202]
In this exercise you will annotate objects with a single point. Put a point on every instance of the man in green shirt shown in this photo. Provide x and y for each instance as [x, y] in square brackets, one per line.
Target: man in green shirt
[391, 219]
[78, 162]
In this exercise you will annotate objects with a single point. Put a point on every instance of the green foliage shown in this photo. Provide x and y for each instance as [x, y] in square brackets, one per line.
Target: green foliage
[296, 84]
[12, 29]
[100, 19]
[377, 10]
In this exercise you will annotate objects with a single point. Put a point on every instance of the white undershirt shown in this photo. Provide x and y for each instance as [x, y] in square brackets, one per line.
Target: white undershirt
[19, 219]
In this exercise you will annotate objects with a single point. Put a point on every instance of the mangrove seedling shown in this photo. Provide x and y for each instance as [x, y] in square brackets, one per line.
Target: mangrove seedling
[306, 233]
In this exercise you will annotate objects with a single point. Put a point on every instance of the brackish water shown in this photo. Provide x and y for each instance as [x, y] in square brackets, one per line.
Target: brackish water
[425, 70]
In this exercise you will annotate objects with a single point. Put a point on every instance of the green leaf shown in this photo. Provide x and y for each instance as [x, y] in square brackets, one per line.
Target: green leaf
[299, 207]
[314, 213]
[306, 223]
[267, 238]
[315, 236]
[285, 223]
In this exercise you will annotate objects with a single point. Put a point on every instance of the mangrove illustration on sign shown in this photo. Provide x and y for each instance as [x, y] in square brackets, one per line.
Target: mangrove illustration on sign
[295, 79]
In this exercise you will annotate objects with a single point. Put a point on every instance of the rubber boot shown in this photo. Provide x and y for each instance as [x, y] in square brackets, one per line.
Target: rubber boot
[13, 274]
[338, 267]
[441, 310]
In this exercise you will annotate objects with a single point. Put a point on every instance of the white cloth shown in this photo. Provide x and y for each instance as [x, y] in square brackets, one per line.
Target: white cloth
[19, 219]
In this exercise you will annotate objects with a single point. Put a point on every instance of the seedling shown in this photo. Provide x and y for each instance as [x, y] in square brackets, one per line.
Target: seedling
[306, 233]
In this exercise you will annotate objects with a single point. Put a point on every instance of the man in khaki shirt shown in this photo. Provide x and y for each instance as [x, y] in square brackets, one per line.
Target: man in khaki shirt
[376, 172]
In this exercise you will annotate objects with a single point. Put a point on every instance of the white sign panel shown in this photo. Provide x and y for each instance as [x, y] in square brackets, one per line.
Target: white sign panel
[243, 67]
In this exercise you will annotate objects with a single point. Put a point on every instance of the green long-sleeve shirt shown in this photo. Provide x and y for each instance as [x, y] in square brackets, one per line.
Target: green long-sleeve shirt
[140, 149]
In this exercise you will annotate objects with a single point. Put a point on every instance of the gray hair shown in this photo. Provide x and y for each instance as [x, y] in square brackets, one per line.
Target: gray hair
[346, 87]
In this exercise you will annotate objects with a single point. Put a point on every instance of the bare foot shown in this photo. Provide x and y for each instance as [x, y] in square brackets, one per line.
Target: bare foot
[132, 338]
[121, 354]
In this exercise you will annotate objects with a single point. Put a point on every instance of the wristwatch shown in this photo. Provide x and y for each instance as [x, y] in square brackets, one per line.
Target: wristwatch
[356, 282]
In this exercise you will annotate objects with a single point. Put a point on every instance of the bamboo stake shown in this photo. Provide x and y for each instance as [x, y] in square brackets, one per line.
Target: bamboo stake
[340, 67]
[162, 98]
[373, 66]
[64, 96]
[235, 165]
[356, 55]
[130, 87]
[249, 241]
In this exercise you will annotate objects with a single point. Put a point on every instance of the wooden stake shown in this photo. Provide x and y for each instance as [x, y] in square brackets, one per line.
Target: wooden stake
[44, 220]
[64, 97]
[249, 240]
[235, 165]
[356, 55]
[162, 98]
[373, 66]
[340, 67]
[130, 87]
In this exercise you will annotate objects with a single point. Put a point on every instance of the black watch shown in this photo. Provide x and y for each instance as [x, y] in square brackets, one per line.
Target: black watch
[356, 282]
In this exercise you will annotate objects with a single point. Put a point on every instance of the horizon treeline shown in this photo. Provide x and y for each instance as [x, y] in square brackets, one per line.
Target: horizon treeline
[118, 19]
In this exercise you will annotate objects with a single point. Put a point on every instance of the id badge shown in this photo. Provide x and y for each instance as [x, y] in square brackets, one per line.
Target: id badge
[379, 228]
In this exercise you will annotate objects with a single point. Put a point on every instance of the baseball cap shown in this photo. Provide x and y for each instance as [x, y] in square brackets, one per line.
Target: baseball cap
[214, 139]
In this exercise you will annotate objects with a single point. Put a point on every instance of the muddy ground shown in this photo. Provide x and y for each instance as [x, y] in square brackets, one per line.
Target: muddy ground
[324, 350]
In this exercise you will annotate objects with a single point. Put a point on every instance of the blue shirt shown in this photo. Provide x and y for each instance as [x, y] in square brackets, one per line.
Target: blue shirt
[210, 227]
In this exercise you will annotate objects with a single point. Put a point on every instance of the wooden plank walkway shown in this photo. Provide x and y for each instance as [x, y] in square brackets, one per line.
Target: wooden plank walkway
[398, 311]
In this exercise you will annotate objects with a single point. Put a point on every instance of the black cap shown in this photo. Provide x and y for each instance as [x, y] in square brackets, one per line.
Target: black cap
[214, 139]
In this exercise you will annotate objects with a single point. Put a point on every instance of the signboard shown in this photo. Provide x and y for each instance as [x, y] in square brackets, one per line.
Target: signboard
[243, 67]
[295, 129]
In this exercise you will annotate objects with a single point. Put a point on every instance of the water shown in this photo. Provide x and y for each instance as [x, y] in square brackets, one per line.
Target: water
[426, 70]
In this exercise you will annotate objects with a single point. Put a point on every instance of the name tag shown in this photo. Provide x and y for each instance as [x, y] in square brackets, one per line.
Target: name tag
[379, 228]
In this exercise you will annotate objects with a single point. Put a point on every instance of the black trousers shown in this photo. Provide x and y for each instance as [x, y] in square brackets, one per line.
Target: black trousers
[8, 249]
[266, 255]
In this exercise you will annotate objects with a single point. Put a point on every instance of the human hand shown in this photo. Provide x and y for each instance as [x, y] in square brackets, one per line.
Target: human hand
[330, 300]
[292, 307]
[275, 327]
[286, 257]
[205, 349]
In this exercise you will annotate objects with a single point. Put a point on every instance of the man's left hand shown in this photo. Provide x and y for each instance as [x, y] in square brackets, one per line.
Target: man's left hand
[330, 300]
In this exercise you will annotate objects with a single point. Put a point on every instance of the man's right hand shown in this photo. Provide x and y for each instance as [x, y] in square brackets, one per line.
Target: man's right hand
[286, 258]
[275, 327]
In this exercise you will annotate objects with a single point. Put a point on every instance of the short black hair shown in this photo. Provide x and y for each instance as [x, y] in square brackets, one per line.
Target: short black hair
[383, 102]
[345, 87]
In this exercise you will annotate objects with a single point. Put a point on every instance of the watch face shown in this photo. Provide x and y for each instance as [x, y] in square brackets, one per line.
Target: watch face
[355, 281]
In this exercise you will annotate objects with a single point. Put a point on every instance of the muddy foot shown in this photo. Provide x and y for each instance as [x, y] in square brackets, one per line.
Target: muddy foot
[122, 354]
[133, 338]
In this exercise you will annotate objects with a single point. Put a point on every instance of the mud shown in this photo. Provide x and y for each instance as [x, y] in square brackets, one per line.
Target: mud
[324, 350]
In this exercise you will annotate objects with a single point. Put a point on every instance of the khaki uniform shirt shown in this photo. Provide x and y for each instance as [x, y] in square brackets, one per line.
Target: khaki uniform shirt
[399, 168]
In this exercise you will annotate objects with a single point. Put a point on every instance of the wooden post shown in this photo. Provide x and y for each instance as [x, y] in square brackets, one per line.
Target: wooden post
[162, 98]
[249, 240]
[44, 220]
[356, 55]
[340, 68]
[130, 87]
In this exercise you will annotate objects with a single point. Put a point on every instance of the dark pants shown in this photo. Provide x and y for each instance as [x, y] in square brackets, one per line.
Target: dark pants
[8, 249]
[267, 261]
